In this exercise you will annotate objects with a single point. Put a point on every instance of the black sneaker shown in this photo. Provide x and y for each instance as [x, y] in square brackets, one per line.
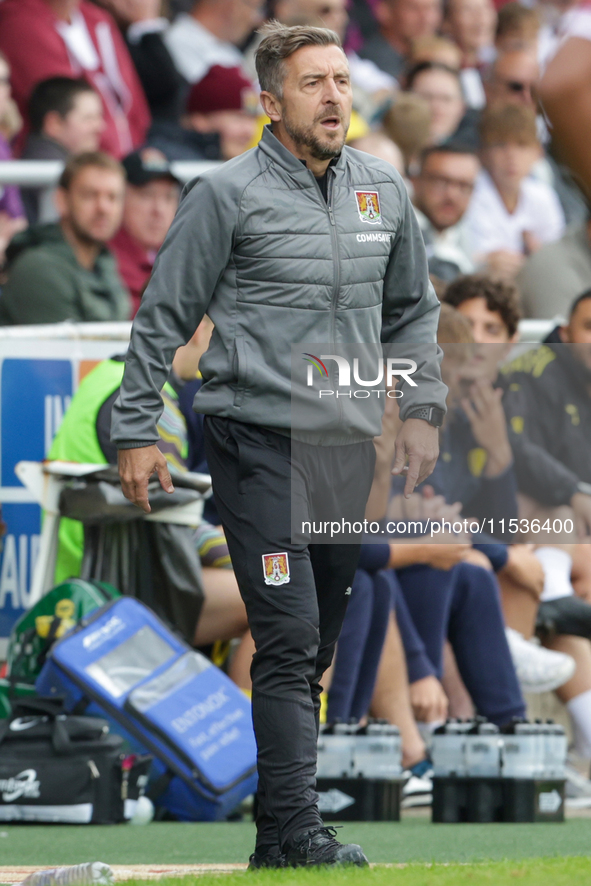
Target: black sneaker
[318, 846]
[266, 858]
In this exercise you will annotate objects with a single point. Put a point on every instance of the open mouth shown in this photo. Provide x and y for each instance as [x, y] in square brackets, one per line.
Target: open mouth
[331, 122]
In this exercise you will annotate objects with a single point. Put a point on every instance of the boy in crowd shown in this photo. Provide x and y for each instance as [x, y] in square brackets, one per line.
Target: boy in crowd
[511, 215]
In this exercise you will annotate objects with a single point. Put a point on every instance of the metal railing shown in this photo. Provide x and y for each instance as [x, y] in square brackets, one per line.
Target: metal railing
[45, 173]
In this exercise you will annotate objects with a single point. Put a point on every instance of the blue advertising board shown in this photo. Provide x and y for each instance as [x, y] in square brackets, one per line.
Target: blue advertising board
[37, 381]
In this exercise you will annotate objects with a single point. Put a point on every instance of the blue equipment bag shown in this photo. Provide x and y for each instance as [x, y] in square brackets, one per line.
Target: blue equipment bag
[122, 662]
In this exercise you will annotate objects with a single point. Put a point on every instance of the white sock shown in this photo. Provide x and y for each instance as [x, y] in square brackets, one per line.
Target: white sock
[557, 569]
[579, 709]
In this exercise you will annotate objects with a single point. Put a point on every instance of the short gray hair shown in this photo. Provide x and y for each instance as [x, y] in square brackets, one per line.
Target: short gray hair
[279, 42]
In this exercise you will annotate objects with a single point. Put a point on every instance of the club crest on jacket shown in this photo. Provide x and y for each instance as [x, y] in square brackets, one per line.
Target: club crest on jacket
[368, 207]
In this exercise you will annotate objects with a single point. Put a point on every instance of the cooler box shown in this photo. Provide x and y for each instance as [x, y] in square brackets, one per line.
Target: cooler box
[122, 662]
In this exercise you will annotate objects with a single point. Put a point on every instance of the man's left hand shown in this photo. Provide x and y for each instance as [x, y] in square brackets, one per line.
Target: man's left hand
[419, 442]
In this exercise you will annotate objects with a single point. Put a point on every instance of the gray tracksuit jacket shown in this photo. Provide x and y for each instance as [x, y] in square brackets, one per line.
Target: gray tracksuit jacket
[276, 267]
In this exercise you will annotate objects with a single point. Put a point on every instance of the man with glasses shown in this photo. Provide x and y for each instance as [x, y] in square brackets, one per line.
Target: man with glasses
[512, 79]
[442, 192]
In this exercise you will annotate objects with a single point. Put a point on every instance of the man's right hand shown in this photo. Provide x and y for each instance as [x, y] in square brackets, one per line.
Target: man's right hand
[136, 466]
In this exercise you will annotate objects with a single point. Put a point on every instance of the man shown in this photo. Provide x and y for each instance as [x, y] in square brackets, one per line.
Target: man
[224, 103]
[65, 117]
[549, 406]
[442, 192]
[210, 35]
[151, 200]
[401, 23]
[71, 38]
[64, 271]
[512, 79]
[471, 25]
[264, 246]
[492, 310]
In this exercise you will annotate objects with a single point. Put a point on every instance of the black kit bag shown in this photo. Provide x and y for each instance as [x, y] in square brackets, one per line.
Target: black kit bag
[66, 769]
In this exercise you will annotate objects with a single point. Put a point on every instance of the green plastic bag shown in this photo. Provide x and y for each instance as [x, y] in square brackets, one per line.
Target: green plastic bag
[59, 610]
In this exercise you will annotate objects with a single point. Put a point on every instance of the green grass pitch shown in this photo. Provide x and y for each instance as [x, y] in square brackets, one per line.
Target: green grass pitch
[434, 855]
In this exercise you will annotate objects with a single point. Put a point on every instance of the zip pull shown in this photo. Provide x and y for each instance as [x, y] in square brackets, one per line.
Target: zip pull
[331, 216]
[94, 773]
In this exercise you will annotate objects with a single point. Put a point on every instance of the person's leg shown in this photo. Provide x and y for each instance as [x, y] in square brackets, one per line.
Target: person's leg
[576, 692]
[460, 703]
[581, 571]
[223, 615]
[241, 662]
[350, 648]
[391, 700]
[477, 635]
[382, 603]
[521, 582]
[250, 470]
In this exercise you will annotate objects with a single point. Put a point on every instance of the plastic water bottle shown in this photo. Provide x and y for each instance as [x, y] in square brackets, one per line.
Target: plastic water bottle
[556, 747]
[377, 751]
[483, 754]
[449, 749]
[94, 873]
[335, 751]
[523, 750]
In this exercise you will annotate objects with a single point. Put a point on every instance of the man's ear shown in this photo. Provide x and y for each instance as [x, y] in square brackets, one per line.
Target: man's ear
[271, 106]
[60, 198]
[53, 125]
[564, 334]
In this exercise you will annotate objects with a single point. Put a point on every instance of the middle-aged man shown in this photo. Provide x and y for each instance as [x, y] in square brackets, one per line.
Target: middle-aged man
[442, 192]
[275, 247]
[151, 200]
[64, 271]
[401, 23]
[72, 38]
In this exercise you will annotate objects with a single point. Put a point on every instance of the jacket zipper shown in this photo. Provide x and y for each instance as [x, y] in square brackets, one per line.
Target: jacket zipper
[337, 272]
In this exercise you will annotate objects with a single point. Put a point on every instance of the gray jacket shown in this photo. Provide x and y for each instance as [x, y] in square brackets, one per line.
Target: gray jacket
[256, 247]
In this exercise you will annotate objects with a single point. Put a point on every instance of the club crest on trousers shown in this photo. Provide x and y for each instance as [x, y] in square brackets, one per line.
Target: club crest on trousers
[276, 569]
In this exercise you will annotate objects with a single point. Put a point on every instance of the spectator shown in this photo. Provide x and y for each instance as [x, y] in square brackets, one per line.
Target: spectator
[442, 192]
[441, 88]
[224, 102]
[407, 123]
[12, 213]
[511, 79]
[436, 49]
[511, 215]
[379, 145]
[65, 117]
[64, 271]
[143, 25]
[492, 311]
[518, 28]
[151, 199]
[401, 23]
[210, 35]
[550, 280]
[69, 38]
[471, 25]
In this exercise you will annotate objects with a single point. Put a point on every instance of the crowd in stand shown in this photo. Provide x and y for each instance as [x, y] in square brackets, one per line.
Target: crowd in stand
[446, 93]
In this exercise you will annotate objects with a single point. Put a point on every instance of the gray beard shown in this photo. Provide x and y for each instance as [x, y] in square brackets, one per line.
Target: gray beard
[304, 137]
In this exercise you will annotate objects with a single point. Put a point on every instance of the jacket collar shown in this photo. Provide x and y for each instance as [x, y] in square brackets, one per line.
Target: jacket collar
[271, 146]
